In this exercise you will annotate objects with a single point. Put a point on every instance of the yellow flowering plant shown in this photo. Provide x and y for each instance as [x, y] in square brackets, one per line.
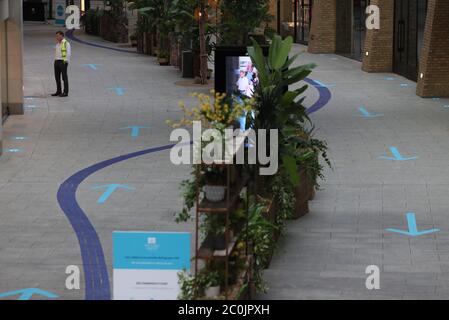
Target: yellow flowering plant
[214, 110]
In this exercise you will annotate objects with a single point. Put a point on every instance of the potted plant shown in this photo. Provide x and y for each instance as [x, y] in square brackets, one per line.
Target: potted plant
[214, 188]
[307, 150]
[211, 284]
[281, 109]
[163, 58]
[214, 231]
[213, 112]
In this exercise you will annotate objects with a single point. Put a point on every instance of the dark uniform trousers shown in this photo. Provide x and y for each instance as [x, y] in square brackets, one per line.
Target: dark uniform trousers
[61, 69]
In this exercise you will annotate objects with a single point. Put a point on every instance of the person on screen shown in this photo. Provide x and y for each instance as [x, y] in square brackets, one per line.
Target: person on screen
[243, 83]
[250, 90]
[250, 71]
[255, 78]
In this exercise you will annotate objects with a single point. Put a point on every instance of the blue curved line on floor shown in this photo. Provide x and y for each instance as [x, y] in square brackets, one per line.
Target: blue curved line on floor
[95, 270]
[325, 96]
[71, 35]
[96, 278]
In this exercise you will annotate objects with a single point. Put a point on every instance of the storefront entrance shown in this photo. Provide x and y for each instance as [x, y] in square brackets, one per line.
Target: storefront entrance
[410, 17]
[303, 20]
[294, 18]
[351, 29]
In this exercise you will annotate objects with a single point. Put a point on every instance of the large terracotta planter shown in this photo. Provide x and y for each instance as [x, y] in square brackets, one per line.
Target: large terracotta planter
[302, 192]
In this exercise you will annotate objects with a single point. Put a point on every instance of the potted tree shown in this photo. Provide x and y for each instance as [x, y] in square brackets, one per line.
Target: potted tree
[161, 16]
[281, 109]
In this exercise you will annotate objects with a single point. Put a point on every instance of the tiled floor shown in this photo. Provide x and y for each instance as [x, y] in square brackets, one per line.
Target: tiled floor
[323, 255]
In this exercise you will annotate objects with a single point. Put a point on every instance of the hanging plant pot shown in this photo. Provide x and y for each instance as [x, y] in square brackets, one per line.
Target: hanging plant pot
[214, 193]
[212, 292]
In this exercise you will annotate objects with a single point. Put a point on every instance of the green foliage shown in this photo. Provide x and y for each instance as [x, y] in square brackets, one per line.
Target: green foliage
[260, 232]
[283, 191]
[210, 279]
[158, 16]
[240, 18]
[277, 108]
[187, 27]
[187, 286]
[117, 7]
[189, 192]
[92, 20]
[214, 225]
[193, 287]
[307, 151]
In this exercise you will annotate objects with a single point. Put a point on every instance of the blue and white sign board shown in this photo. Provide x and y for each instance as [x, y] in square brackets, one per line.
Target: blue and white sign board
[146, 264]
[60, 6]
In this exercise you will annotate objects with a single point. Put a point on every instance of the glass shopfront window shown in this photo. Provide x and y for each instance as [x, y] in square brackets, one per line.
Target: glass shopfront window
[351, 28]
[359, 27]
[294, 19]
[410, 17]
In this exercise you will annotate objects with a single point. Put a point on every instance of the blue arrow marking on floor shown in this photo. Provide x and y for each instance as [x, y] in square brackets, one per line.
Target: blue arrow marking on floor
[322, 85]
[19, 138]
[436, 98]
[93, 66]
[390, 78]
[404, 85]
[118, 90]
[397, 156]
[366, 114]
[26, 294]
[412, 228]
[14, 150]
[135, 130]
[110, 188]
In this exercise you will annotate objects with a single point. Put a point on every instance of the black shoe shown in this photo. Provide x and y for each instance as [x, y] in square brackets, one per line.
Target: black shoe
[64, 95]
[57, 94]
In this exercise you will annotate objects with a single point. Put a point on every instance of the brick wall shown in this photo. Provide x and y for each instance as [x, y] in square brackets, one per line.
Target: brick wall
[434, 63]
[323, 29]
[379, 43]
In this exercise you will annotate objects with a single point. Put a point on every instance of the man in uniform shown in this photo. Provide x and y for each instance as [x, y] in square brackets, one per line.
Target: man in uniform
[62, 59]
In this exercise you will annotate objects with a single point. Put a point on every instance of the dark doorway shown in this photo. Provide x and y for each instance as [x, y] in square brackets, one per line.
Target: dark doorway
[344, 27]
[34, 10]
[303, 20]
[359, 27]
[294, 18]
[409, 24]
[351, 29]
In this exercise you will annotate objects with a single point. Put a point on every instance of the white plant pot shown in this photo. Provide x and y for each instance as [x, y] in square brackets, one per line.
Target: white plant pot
[214, 193]
[212, 292]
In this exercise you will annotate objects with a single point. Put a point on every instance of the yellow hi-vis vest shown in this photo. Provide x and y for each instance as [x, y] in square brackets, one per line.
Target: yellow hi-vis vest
[64, 49]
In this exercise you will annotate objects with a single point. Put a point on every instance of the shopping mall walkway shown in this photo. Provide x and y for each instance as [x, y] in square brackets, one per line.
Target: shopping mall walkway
[58, 137]
[56, 152]
[375, 126]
